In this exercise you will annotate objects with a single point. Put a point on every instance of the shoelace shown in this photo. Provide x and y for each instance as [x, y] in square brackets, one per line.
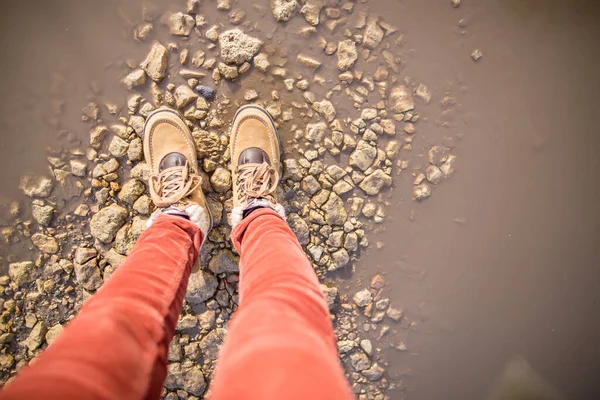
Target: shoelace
[257, 181]
[173, 184]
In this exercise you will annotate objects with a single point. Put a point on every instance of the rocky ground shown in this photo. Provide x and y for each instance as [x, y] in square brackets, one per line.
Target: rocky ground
[348, 114]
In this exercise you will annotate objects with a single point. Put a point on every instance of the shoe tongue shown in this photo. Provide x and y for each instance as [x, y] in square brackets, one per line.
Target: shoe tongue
[172, 160]
[253, 155]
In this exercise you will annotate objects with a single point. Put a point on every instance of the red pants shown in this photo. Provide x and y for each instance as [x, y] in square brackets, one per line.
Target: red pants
[280, 343]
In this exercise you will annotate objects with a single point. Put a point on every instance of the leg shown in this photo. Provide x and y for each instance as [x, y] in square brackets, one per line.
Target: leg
[116, 347]
[280, 343]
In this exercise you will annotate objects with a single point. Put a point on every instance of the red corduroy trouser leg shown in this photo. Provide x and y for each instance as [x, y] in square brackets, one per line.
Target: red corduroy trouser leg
[280, 342]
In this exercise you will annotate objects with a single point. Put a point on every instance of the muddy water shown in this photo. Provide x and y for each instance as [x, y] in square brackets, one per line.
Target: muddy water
[502, 259]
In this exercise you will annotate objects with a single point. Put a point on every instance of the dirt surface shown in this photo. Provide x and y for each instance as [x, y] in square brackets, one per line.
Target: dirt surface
[500, 262]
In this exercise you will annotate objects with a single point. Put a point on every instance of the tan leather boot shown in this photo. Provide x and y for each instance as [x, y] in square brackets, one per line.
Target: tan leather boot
[175, 186]
[255, 162]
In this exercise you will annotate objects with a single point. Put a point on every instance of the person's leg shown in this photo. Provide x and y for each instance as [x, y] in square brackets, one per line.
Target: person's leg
[280, 343]
[116, 347]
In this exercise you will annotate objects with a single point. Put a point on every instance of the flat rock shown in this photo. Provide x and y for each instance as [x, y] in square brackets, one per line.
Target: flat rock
[311, 11]
[237, 47]
[363, 156]
[325, 109]
[346, 54]
[184, 95]
[224, 262]
[401, 99]
[131, 191]
[335, 212]
[36, 185]
[179, 24]
[373, 34]
[106, 222]
[156, 63]
[201, 287]
[134, 79]
[373, 183]
[20, 272]
[46, 244]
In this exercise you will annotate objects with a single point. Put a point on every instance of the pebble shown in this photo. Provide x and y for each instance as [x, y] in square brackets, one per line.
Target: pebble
[201, 287]
[36, 185]
[261, 62]
[183, 96]
[20, 272]
[118, 147]
[224, 262]
[311, 11]
[156, 62]
[363, 298]
[421, 192]
[476, 55]
[46, 244]
[106, 222]
[135, 78]
[179, 24]
[308, 61]
[400, 99]
[373, 34]
[221, 180]
[206, 92]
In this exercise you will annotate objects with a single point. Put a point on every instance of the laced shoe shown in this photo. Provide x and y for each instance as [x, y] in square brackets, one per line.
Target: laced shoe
[175, 186]
[255, 154]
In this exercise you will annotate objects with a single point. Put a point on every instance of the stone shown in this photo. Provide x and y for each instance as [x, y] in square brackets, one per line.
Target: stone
[131, 191]
[447, 166]
[335, 212]
[179, 24]
[42, 213]
[368, 114]
[340, 259]
[476, 55]
[400, 99]
[156, 62]
[221, 180]
[346, 54]
[308, 61]
[106, 222]
[184, 95]
[363, 156]
[377, 282]
[87, 273]
[201, 287]
[211, 343]
[394, 314]
[261, 62]
[224, 262]
[421, 192]
[367, 346]
[212, 33]
[311, 11]
[224, 5]
[97, 135]
[331, 296]
[374, 373]
[299, 226]
[20, 272]
[78, 167]
[434, 174]
[455, 3]
[359, 361]
[186, 377]
[36, 185]
[345, 346]
[373, 34]
[118, 147]
[251, 95]
[134, 79]
[228, 71]
[237, 47]
[422, 92]
[237, 16]
[325, 109]
[373, 183]
[36, 336]
[315, 131]
[284, 10]
[46, 244]
[142, 31]
[206, 92]
[135, 151]
[143, 205]
[53, 333]
[363, 298]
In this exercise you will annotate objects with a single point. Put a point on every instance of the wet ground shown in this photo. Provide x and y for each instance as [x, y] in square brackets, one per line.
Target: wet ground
[501, 261]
